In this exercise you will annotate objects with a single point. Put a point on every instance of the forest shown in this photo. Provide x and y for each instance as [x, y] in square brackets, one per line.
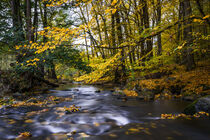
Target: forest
[104, 69]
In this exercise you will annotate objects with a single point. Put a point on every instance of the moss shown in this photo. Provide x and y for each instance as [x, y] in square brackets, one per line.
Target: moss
[190, 109]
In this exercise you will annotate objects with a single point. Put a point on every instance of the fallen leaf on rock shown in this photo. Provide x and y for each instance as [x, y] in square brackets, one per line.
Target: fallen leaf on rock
[133, 130]
[24, 135]
[11, 121]
[113, 135]
[29, 121]
[96, 124]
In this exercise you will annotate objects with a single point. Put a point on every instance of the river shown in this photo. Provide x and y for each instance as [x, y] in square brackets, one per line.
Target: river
[101, 117]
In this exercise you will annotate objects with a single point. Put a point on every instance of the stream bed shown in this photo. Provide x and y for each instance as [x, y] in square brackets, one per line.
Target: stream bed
[101, 117]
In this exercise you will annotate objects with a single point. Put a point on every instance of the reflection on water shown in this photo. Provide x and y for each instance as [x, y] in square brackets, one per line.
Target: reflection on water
[101, 117]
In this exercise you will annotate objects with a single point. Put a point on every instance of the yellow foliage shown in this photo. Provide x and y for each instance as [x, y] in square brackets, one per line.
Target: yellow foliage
[207, 16]
[130, 93]
[198, 20]
[191, 81]
[114, 2]
[100, 70]
[55, 3]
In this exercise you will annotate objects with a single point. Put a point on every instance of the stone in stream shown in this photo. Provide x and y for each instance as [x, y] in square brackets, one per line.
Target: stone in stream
[17, 95]
[32, 100]
[145, 94]
[75, 89]
[202, 104]
[189, 98]
[118, 93]
[112, 90]
[97, 91]
[140, 97]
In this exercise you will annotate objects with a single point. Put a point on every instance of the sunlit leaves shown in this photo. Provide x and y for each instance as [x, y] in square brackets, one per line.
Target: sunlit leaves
[55, 2]
[100, 70]
[206, 17]
[130, 93]
[112, 11]
[56, 37]
[114, 2]
[198, 21]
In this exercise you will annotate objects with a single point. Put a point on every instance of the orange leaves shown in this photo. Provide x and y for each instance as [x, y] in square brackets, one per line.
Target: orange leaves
[190, 82]
[168, 116]
[113, 135]
[24, 135]
[130, 93]
[29, 121]
[36, 112]
[139, 129]
[72, 108]
[198, 21]
[51, 100]
[206, 17]
[23, 103]
[134, 130]
[175, 116]
[55, 100]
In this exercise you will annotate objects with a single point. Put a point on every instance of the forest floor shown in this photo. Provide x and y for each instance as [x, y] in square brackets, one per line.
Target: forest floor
[177, 83]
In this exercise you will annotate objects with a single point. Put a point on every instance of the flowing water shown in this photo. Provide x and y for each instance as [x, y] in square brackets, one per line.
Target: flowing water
[101, 117]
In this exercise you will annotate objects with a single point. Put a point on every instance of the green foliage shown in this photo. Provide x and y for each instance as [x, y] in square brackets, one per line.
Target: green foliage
[70, 57]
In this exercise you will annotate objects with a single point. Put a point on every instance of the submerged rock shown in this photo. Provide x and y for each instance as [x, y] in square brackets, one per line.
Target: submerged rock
[189, 98]
[118, 93]
[97, 91]
[202, 104]
[17, 95]
[146, 94]
[75, 89]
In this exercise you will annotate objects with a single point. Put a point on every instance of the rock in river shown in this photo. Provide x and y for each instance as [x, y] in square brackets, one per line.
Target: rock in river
[202, 104]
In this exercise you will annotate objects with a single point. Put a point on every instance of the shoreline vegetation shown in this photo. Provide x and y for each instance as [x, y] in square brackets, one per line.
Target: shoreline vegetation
[143, 50]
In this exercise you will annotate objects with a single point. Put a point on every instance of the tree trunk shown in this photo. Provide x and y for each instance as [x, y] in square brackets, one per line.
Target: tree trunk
[87, 52]
[29, 33]
[146, 25]
[35, 24]
[17, 21]
[158, 23]
[113, 32]
[120, 39]
[188, 57]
